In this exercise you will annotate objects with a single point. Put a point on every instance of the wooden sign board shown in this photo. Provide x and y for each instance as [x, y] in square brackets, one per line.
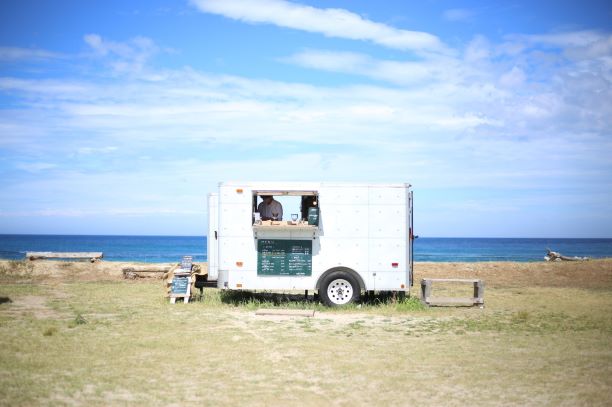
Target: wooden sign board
[276, 257]
[180, 285]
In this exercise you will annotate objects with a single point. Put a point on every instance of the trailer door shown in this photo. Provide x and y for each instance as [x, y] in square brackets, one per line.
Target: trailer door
[212, 249]
[410, 238]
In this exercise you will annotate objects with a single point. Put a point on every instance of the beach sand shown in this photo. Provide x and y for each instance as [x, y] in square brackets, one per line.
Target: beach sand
[584, 274]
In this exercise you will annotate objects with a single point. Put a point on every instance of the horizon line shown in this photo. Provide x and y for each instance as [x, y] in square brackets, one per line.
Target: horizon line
[419, 237]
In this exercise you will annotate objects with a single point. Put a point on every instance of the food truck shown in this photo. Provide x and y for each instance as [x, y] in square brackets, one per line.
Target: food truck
[337, 239]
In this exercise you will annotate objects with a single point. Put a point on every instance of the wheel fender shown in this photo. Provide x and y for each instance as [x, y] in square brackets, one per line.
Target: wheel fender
[346, 270]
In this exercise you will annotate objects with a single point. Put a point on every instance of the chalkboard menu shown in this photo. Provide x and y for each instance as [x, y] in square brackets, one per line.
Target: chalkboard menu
[284, 257]
[313, 216]
[180, 285]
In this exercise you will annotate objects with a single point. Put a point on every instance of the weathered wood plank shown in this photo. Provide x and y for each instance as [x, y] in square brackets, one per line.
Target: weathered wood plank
[147, 269]
[454, 300]
[453, 280]
[285, 312]
[64, 255]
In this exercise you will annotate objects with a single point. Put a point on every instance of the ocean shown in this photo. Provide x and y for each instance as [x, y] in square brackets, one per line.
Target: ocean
[159, 249]
[150, 249]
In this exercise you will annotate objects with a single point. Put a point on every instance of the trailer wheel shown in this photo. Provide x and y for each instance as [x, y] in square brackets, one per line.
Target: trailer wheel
[339, 288]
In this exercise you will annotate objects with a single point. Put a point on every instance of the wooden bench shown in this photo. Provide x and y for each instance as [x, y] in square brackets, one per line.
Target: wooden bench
[476, 300]
[91, 256]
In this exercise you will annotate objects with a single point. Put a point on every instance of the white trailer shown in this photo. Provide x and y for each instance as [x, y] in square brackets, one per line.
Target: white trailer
[348, 238]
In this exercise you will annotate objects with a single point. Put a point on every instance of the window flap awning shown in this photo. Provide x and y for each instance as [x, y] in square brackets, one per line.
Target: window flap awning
[285, 193]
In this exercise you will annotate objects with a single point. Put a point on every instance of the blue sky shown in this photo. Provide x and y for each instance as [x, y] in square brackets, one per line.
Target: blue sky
[119, 117]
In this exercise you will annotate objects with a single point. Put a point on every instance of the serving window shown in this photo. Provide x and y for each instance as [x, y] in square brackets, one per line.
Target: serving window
[297, 208]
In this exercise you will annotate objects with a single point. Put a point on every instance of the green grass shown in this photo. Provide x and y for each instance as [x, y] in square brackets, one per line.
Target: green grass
[122, 343]
[252, 301]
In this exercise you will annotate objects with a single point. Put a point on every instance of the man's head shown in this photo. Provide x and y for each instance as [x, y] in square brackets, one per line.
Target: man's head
[267, 199]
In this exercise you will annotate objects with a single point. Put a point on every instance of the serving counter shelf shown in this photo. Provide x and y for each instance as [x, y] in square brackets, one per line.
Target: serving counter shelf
[283, 225]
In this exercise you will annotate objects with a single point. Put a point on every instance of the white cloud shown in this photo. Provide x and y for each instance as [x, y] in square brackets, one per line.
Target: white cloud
[442, 94]
[458, 14]
[477, 50]
[126, 50]
[19, 54]
[59, 88]
[566, 39]
[513, 78]
[397, 72]
[484, 118]
[181, 108]
[577, 45]
[34, 167]
[331, 22]
[331, 61]
[123, 57]
[96, 150]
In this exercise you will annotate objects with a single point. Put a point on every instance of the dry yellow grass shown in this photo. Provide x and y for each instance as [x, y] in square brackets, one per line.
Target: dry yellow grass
[587, 274]
[69, 340]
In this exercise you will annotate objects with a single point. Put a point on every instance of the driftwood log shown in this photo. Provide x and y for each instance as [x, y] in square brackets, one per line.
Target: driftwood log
[91, 256]
[155, 271]
[151, 271]
[555, 256]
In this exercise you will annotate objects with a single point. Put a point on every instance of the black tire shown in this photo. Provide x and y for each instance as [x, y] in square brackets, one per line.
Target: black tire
[339, 288]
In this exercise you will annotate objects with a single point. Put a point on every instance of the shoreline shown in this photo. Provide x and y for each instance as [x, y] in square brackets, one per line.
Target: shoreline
[533, 261]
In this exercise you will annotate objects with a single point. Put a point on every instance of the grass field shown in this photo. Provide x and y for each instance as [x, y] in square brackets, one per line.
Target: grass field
[115, 342]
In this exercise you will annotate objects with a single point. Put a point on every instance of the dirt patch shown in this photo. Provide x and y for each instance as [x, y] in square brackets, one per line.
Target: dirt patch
[34, 305]
[586, 274]
[38, 304]
[325, 320]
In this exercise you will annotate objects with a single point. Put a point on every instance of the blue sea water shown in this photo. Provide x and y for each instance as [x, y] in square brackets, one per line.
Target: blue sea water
[158, 249]
[150, 249]
[506, 249]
